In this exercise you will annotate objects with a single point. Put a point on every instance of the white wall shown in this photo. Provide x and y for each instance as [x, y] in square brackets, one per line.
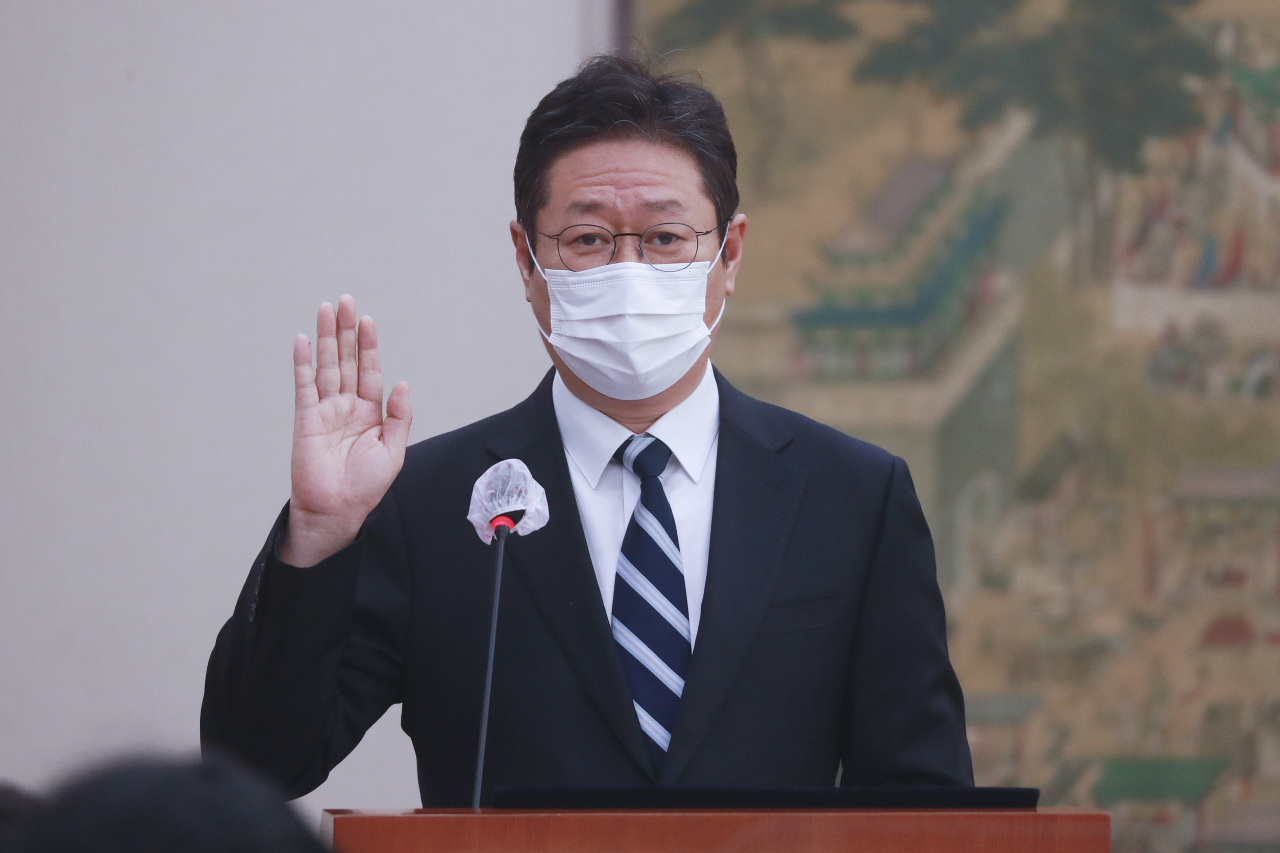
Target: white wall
[180, 185]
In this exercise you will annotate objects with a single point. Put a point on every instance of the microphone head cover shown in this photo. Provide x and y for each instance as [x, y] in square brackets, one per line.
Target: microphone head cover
[506, 487]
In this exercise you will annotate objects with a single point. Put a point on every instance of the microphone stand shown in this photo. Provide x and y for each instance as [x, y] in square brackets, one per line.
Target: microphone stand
[501, 526]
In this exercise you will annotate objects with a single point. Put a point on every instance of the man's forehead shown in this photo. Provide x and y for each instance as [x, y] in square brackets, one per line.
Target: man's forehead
[655, 205]
[641, 175]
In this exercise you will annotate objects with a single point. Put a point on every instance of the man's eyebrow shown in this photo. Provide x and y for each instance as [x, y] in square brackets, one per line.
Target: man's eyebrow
[667, 205]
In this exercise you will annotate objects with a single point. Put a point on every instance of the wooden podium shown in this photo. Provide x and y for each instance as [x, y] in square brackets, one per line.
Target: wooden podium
[1049, 830]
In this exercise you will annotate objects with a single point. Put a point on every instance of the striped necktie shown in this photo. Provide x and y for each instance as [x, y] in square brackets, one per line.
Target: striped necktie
[650, 610]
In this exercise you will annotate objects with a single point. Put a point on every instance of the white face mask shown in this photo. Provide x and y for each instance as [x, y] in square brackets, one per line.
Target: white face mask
[626, 329]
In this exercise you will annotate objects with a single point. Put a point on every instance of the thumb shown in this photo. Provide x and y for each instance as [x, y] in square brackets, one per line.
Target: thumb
[395, 428]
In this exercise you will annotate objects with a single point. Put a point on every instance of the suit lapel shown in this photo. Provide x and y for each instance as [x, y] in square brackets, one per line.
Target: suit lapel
[755, 502]
[555, 565]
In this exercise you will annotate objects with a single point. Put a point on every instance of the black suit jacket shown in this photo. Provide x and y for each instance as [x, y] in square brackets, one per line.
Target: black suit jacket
[822, 638]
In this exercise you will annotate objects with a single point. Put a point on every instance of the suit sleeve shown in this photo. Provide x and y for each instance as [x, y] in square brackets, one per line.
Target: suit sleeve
[905, 709]
[310, 658]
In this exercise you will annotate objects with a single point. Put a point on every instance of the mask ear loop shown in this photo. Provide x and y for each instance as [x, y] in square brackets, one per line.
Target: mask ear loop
[533, 257]
[725, 301]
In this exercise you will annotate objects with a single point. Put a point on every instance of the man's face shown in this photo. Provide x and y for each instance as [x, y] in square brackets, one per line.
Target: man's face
[627, 186]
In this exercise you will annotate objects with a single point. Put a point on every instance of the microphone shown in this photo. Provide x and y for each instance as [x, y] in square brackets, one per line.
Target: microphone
[506, 499]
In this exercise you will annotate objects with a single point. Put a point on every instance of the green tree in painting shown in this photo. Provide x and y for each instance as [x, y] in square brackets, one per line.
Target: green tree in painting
[1105, 75]
[750, 23]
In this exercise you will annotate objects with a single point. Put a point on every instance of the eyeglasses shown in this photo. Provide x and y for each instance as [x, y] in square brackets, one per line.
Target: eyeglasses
[667, 246]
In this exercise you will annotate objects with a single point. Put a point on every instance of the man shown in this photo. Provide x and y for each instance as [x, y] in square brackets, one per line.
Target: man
[738, 597]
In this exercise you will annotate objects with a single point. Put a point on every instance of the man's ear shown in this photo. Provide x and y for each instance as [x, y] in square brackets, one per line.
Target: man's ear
[524, 257]
[735, 235]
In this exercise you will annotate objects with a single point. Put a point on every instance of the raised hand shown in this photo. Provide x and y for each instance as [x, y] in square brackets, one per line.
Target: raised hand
[345, 453]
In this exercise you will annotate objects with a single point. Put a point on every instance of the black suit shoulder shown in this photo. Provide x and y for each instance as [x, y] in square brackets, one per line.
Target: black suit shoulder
[804, 441]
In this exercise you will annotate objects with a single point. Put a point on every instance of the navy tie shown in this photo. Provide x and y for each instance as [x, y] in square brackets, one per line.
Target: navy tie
[650, 610]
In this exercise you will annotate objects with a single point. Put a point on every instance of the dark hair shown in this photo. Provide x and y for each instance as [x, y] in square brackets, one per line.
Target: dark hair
[16, 806]
[616, 97]
[161, 805]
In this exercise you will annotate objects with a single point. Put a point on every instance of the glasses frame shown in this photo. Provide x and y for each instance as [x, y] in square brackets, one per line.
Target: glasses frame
[697, 244]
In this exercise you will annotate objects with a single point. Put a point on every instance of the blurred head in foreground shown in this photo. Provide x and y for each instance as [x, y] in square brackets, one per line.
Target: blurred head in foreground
[145, 805]
[16, 807]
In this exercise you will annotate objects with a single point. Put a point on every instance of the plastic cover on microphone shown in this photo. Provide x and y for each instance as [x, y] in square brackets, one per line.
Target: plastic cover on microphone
[506, 487]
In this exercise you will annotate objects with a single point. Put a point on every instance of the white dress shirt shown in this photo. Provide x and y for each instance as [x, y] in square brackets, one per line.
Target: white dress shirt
[607, 492]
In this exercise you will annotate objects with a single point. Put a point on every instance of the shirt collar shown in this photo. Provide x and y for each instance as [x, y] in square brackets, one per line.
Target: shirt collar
[592, 437]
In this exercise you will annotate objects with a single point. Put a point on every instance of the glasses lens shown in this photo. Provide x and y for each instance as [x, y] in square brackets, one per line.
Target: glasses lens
[585, 247]
[670, 245]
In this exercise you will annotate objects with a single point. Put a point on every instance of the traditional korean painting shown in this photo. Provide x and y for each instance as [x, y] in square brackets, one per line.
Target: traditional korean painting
[1033, 247]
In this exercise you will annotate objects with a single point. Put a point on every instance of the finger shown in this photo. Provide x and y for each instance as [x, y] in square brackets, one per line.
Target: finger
[327, 379]
[304, 377]
[347, 344]
[370, 383]
[395, 429]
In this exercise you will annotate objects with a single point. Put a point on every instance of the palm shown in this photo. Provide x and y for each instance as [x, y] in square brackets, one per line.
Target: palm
[340, 461]
[345, 453]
